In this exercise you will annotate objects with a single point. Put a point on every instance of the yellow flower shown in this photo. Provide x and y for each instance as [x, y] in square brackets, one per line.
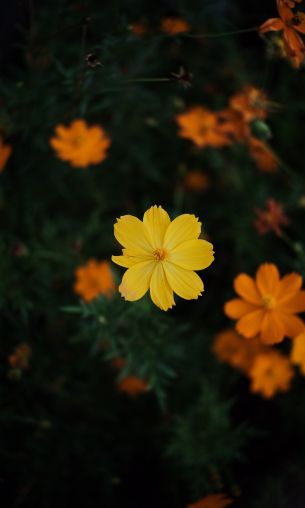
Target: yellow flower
[161, 256]
[297, 355]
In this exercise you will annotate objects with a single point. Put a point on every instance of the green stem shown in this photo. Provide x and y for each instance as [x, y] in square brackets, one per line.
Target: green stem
[221, 34]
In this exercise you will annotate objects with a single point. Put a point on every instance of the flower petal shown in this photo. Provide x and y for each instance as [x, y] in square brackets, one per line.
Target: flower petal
[131, 233]
[136, 280]
[193, 255]
[294, 46]
[246, 288]
[183, 228]
[124, 261]
[288, 286]
[184, 283]
[293, 325]
[237, 308]
[250, 324]
[294, 304]
[284, 11]
[160, 291]
[156, 220]
[272, 24]
[267, 279]
[273, 330]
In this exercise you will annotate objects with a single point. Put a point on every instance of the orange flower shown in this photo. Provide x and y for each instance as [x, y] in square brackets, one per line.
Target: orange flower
[234, 125]
[196, 181]
[203, 127]
[118, 363]
[5, 153]
[20, 358]
[265, 159]
[271, 219]
[133, 386]
[79, 144]
[267, 305]
[297, 355]
[93, 279]
[289, 23]
[174, 25]
[138, 28]
[251, 103]
[291, 3]
[233, 349]
[270, 373]
[212, 501]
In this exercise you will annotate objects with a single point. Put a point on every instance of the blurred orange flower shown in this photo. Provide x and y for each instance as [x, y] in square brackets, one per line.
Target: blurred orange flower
[174, 25]
[265, 159]
[267, 305]
[138, 28]
[250, 102]
[196, 181]
[93, 279]
[234, 125]
[20, 357]
[5, 153]
[271, 372]
[289, 23]
[133, 386]
[212, 501]
[203, 127]
[297, 355]
[118, 363]
[271, 219]
[79, 144]
[231, 348]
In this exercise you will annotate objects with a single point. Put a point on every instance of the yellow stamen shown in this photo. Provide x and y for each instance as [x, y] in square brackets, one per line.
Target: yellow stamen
[268, 302]
[160, 254]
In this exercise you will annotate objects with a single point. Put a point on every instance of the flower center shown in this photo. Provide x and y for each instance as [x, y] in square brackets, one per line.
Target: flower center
[268, 302]
[77, 141]
[160, 254]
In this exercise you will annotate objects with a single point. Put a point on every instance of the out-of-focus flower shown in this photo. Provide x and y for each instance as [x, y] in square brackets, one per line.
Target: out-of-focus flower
[265, 159]
[212, 501]
[161, 255]
[79, 144]
[133, 386]
[138, 28]
[231, 348]
[271, 373]
[297, 355]
[271, 219]
[174, 25]
[196, 181]
[268, 305]
[251, 103]
[203, 127]
[5, 153]
[118, 363]
[289, 23]
[233, 124]
[19, 359]
[93, 279]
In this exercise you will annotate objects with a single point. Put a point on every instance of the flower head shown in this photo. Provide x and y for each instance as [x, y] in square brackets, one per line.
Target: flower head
[271, 219]
[290, 24]
[231, 348]
[203, 127]
[20, 357]
[251, 103]
[212, 501]
[133, 386]
[161, 255]
[93, 279]
[79, 144]
[271, 372]
[268, 305]
[5, 153]
[196, 181]
[174, 25]
[265, 159]
[297, 355]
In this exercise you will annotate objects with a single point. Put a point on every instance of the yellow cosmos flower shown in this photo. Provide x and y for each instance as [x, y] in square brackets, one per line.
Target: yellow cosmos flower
[161, 256]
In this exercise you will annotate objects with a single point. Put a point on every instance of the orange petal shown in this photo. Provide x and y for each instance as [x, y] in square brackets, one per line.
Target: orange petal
[288, 286]
[246, 288]
[294, 45]
[250, 324]
[267, 279]
[284, 11]
[293, 325]
[237, 308]
[294, 304]
[271, 25]
[273, 329]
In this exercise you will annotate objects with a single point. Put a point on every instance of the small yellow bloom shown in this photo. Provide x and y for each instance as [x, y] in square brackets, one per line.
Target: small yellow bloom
[161, 256]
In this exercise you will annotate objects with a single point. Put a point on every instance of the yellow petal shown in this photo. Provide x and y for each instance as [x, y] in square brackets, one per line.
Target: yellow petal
[131, 233]
[136, 280]
[183, 228]
[160, 291]
[185, 283]
[193, 255]
[156, 221]
[124, 261]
